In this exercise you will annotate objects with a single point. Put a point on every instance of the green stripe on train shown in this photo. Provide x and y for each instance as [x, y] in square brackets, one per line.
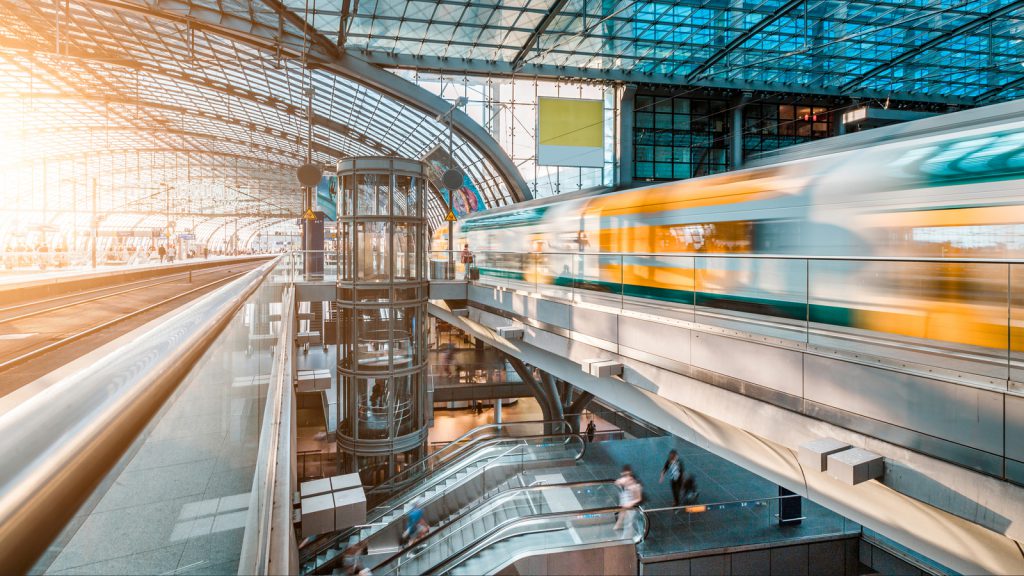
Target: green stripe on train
[834, 315]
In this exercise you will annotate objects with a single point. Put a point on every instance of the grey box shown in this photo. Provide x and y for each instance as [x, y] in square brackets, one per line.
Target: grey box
[605, 369]
[461, 313]
[510, 332]
[814, 454]
[314, 487]
[318, 515]
[312, 380]
[349, 508]
[345, 482]
[855, 465]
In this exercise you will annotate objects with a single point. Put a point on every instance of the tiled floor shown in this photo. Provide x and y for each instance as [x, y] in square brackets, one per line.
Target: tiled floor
[718, 481]
[178, 501]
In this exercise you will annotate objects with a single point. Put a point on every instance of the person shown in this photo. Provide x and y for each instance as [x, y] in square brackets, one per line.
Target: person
[171, 254]
[446, 359]
[690, 492]
[162, 252]
[631, 494]
[350, 562]
[673, 469]
[479, 407]
[467, 259]
[377, 397]
[591, 430]
[416, 526]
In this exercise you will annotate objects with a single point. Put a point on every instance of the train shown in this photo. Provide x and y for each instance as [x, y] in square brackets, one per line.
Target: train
[914, 234]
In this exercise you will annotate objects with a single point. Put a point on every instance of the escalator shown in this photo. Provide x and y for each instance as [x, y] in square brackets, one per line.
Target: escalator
[545, 534]
[476, 468]
[512, 513]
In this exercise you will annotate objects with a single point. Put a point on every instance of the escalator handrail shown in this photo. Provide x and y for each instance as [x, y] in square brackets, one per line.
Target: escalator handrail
[461, 443]
[490, 503]
[496, 534]
[518, 442]
[484, 442]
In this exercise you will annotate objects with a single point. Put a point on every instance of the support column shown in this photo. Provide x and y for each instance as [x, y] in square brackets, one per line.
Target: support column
[538, 391]
[736, 141]
[626, 139]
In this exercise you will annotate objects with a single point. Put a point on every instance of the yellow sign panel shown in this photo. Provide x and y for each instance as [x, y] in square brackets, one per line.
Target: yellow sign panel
[450, 217]
[570, 122]
[309, 215]
[570, 132]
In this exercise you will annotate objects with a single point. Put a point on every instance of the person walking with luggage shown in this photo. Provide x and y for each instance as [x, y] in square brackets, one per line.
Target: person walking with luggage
[467, 260]
[673, 469]
[631, 494]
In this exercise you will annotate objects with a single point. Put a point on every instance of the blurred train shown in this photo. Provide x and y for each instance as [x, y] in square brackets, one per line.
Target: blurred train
[948, 188]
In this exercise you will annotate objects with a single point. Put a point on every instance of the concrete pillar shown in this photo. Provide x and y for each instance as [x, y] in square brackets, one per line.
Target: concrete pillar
[625, 144]
[497, 411]
[736, 140]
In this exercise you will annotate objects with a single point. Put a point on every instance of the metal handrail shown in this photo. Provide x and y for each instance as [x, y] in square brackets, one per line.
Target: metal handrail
[496, 533]
[268, 545]
[474, 443]
[493, 442]
[489, 504]
[459, 443]
[686, 507]
[61, 443]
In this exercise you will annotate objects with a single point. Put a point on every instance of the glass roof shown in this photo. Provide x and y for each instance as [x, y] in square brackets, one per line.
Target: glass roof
[131, 101]
[945, 50]
[210, 105]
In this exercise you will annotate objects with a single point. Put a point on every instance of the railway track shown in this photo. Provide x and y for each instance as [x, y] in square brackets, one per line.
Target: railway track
[39, 336]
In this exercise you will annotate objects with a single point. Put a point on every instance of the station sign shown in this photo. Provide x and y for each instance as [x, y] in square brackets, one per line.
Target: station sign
[186, 236]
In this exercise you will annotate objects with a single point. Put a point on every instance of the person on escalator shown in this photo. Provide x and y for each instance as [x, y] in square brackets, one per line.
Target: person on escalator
[416, 526]
[350, 561]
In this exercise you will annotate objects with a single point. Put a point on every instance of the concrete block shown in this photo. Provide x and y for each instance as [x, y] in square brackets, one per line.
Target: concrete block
[312, 380]
[349, 508]
[345, 482]
[814, 454]
[314, 487]
[606, 369]
[318, 515]
[510, 332]
[855, 465]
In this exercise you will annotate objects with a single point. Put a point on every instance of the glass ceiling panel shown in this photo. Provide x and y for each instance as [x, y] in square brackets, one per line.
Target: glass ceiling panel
[852, 48]
[132, 99]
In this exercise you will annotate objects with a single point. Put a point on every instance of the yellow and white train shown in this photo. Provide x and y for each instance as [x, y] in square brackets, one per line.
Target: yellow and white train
[911, 236]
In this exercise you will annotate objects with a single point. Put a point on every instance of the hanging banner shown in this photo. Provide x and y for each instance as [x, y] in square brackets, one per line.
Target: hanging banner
[570, 132]
[463, 201]
[326, 200]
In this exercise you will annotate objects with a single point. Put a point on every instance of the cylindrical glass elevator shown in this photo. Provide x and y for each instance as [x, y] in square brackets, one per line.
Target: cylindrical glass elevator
[382, 298]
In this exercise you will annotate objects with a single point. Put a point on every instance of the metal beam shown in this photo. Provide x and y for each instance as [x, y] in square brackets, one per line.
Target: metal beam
[520, 56]
[987, 96]
[739, 40]
[360, 71]
[419, 98]
[330, 48]
[935, 41]
[504, 70]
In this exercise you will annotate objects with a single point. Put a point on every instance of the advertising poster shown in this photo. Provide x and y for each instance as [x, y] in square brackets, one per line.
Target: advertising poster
[326, 198]
[463, 201]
